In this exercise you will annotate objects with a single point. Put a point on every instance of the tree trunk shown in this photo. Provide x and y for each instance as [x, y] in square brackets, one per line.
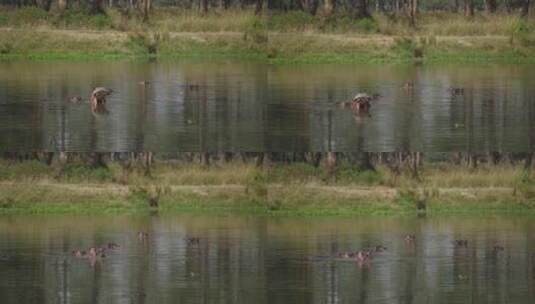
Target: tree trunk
[495, 157]
[413, 11]
[97, 160]
[525, 8]
[260, 159]
[62, 5]
[528, 162]
[328, 7]
[205, 159]
[472, 160]
[380, 6]
[365, 163]
[490, 6]
[147, 163]
[145, 9]
[259, 7]
[44, 4]
[204, 6]
[362, 9]
[330, 164]
[415, 164]
[95, 7]
[469, 8]
[313, 7]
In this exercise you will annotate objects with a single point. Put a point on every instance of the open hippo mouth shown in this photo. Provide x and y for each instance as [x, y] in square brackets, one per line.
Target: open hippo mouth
[99, 94]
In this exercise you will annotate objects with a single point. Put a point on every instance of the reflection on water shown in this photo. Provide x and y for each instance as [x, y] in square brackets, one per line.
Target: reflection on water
[244, 106]
[266, 260]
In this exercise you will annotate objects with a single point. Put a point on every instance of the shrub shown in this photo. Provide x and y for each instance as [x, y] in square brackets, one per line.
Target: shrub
[146, 43]
[290, 21]
[352, 175]
[29, 15]
[6, 48]
[4, 19]
[100, 21]
[256, 34]
[82, 172]
[367, 25]
[291, 173]
[521, 33]
[408, 47]
[524, 186]
[256, 186]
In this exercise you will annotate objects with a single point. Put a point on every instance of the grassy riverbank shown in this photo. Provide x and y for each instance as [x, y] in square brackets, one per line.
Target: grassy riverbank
[276, 189]
[30, 33]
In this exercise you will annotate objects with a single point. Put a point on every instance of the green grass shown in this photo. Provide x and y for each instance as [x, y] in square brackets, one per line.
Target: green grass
[281, 38]
[276, 201]
[281, 49]
[432, 175]
[278, 189]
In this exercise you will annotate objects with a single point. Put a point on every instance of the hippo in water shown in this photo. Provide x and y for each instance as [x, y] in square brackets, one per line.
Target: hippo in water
[97, 99]
[99, 94]
[75, 99]
[362, 102]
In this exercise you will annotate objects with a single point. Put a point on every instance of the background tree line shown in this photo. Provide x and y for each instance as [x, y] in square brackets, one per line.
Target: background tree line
[326, 8]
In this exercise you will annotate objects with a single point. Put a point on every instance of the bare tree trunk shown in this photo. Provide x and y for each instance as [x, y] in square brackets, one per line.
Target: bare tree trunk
[62, 5]
[413, 11]
[145, 9]
[205, 159]
[328, 7]
[365, 163]
[490, 6]
[97, 160]
[315, 159]
[380, 6]
[415, 164]
[469, 8]
[362, 9]
[330, 164]
[525, 8]
[528, 162]
[259, 7]
[95, 7]
[260, 159]
[147, 163]
[44, 4]
[495, 157]
[472, 160]
[204, 6]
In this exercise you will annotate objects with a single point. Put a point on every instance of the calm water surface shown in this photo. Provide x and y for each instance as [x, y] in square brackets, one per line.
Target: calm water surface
[247, 106]
[242, 259]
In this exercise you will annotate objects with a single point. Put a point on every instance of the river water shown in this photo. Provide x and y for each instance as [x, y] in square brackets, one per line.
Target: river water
[251, 106]
[249, 259]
